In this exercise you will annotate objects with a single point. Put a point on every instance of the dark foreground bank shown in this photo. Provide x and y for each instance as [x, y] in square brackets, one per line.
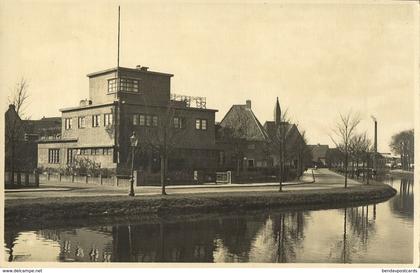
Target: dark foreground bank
[39, 212]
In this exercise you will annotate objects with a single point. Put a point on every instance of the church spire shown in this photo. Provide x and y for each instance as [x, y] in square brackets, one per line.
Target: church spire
[277, 112]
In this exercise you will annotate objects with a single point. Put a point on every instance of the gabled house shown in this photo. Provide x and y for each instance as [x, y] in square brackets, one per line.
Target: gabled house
[248, 146]
[243, 139]
[294, 144]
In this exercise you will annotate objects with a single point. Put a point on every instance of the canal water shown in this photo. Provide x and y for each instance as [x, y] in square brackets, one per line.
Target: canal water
[375, 233]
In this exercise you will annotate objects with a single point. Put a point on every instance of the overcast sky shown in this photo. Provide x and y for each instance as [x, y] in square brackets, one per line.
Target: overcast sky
[318, 59]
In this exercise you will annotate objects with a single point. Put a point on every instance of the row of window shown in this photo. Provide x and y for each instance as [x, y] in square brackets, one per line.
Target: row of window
[145, 120]
[177, 122]
[137, 120]
[124, 85]
[54, 154]
[96, 121]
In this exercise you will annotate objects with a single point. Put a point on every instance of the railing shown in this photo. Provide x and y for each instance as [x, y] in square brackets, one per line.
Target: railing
[21, 179]
[49, 178]
[200, 102]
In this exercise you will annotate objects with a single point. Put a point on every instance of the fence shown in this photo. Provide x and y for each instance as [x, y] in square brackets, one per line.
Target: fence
[21, 180]
[115, 181]
[224, 177]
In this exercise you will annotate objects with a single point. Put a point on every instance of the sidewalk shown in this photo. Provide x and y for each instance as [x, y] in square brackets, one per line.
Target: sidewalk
[324, 179]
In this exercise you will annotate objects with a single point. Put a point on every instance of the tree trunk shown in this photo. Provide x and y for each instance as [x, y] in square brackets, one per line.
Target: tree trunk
[346, 160]
[364, 171]
[163, 174]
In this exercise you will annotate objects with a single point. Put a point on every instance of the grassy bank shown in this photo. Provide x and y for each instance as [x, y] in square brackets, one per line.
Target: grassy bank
[46, 211]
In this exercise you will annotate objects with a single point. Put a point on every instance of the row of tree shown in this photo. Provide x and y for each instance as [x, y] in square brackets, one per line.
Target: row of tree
[355, 149]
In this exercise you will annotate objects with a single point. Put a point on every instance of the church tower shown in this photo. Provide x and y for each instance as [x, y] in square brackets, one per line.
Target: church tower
[277, 113]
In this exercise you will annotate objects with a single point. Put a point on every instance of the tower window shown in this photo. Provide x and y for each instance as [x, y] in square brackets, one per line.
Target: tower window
[123, 85]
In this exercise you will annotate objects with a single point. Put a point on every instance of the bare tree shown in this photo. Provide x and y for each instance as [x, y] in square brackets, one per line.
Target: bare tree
[19, 96]
[165, 138]
[344, 130]
[359, 148]
[279, 144]
[14, 127]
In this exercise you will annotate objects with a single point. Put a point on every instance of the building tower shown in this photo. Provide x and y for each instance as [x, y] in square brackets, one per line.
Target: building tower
[277, 113]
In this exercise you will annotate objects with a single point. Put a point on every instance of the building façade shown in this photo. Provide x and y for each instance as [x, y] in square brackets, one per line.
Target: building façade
[126, 100]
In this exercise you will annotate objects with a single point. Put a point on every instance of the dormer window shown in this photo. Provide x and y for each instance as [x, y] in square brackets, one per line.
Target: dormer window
[123, 85]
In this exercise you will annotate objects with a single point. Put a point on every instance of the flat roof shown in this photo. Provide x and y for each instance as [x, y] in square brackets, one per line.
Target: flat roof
[57, 140]
[106, 71]
[76, 108]
[174, 107]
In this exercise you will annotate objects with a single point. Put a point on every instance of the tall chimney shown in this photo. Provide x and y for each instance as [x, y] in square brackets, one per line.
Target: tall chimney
[248, 104]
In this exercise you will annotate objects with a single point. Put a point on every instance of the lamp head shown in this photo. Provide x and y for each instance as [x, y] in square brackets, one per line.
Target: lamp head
[134, 140]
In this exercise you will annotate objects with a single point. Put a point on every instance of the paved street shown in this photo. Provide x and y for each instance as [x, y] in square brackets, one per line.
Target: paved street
[324, 179]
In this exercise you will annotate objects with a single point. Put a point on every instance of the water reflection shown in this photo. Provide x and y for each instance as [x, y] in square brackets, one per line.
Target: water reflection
[402, 205]
[377, 233]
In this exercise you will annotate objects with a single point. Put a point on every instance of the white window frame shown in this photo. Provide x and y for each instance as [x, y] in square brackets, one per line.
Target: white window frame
[68, 123]
[108, 119]
[96, 120]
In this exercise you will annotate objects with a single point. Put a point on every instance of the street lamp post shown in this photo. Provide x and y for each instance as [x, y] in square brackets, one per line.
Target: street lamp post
[133, 143]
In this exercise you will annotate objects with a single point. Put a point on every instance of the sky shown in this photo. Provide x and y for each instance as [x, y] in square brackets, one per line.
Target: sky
[318, 59]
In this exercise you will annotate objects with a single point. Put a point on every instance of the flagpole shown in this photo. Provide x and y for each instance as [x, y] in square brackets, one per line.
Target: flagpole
[118, 54]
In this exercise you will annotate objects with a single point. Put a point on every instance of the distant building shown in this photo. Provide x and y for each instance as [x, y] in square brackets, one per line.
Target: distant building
[21, 138]
[126, 100]
[319, 154]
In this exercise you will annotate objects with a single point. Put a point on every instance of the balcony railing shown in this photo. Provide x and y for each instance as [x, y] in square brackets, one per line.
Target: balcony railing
[190, 101]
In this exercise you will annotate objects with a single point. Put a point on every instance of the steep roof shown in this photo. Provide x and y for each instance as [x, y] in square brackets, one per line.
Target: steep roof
[244, 123]
[318, 151]
[271, 128]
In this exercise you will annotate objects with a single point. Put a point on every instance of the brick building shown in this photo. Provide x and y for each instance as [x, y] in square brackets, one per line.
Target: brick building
[248, 147]
[126, 100]
[21, 136]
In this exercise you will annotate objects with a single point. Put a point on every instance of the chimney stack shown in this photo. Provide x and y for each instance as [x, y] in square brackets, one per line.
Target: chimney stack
[248, 104]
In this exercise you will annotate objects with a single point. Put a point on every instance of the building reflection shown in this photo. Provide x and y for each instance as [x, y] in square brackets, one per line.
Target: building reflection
[288, 230]
[274, 237]
[236, 235]
[164, 242]
[269, 238]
